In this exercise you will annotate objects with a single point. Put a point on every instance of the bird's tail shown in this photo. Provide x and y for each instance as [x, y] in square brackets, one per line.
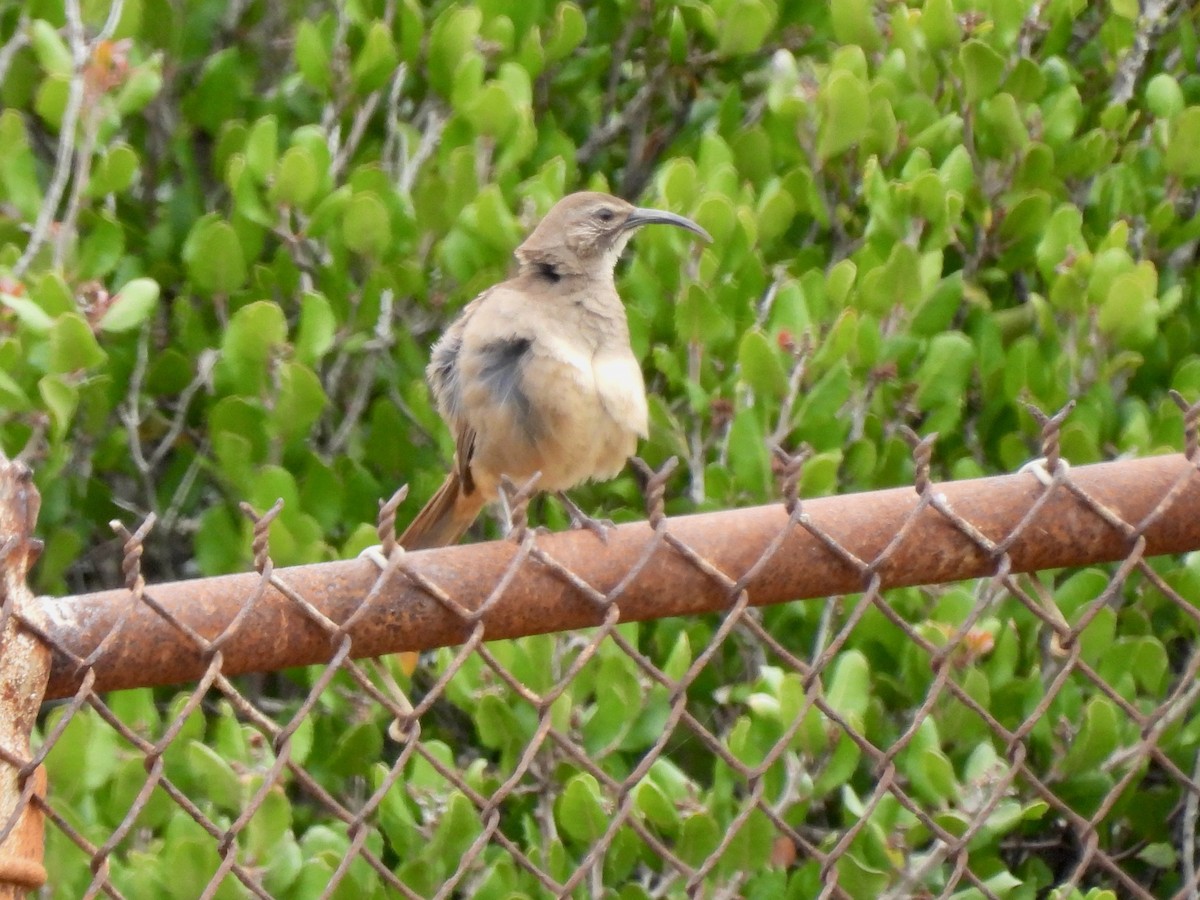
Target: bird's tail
[445, 518]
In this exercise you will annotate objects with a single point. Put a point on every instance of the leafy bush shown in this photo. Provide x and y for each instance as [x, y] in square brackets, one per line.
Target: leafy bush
[228, 235]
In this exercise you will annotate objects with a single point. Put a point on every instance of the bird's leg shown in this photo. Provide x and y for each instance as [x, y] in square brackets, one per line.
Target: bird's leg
[504, 513]
[580, 519]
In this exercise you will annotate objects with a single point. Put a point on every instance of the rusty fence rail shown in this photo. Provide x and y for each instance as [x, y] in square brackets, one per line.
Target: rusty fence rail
[1012, 755]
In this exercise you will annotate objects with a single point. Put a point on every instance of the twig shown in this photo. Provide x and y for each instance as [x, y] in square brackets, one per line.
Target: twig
[130, 412]
[19, 39]
[696, 489]
[65, 154]
[81, 52]
[431, 134]
[358, 127]
[366, 374]
[1150, 24]
[83, 167]
[1187, 837]
[783, 424]
[332, 111]
[1030, 27]
[204, 368]
[184, 487]
[617, 123]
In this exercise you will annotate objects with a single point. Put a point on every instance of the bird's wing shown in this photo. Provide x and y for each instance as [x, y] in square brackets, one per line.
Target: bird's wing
[464, 450]
[444, 374]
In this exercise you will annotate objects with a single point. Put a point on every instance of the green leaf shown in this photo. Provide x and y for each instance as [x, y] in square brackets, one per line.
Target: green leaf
[897, 283]
[748, 456]
[982, 67]
[747, 23]
[132, 306]
[942, 378]
[939, 21]
[296, 179]
[840, 280]
[28, 313]
[775, 212]
[219, 782]
[101, 247]
[1164, 96]
[1161, 855]
[1181, 158]
[450, 42]
[18, 171]
[750, 848]
[61, 399]
[252, 336]
[218, 542]
[933, 775]
[698, 318]
[580, 809]
[854, 23]
[376, 61]
[845, 110]
[366, 228]
[458, 828]
[760, 365]
[849, 686]
[114, 172]
[356, 743]
[1130, 310]
[214, 258]
[50, 49]
[491, 110]
[317, 329]
[1098, 737]
[677, 38]
[300, 402]
[142, 86]
[698, 838]
[567, 33]
[839, 769]
[73, 347]
[270, 824]
[312, 57]
[51, 100]
[652, 803]
[262, 146]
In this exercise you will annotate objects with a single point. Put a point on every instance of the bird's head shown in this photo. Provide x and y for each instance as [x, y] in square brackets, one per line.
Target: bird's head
[585, 233]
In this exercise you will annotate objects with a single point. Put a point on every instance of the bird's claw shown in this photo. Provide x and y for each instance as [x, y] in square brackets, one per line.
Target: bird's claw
[581, 520]
[375, 554]
[599, 527]
[1037, 468]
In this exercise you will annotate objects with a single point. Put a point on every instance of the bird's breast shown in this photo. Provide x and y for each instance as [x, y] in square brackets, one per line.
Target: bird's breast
[590, 408]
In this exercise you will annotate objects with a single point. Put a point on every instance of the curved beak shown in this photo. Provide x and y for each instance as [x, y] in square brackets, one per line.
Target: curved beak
[641, 216]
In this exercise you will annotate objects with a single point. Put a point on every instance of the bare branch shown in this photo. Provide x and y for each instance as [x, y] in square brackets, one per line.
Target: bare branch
[81, 52]
[1151, 23]
[10, 47]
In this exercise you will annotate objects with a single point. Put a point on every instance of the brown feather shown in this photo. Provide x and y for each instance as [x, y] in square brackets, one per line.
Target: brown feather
[445, 518]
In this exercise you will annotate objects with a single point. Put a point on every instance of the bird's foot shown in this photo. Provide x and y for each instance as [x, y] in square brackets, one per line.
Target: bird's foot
[580, 519]
[375, 554]
[1037, 468]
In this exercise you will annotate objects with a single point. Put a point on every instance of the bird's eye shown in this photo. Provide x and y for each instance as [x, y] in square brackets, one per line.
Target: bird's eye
[605, 214]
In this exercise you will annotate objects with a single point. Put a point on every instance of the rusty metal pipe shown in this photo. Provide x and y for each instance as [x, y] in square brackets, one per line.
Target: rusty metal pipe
[275, 633]
[24, 667]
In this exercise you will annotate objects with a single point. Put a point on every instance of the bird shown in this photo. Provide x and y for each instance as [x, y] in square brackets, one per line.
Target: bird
[536, 376]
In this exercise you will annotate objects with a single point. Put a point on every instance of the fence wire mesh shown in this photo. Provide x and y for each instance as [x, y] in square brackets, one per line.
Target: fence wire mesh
[1031, 731]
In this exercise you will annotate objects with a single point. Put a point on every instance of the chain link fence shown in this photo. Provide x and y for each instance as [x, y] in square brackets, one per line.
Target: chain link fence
[661, 715]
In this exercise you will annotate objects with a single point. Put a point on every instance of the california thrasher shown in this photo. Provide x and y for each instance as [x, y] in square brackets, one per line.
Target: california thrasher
[536, 375]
